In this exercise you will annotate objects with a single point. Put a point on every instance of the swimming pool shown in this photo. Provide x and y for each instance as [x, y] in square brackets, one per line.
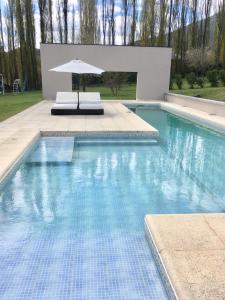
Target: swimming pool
[72, 213]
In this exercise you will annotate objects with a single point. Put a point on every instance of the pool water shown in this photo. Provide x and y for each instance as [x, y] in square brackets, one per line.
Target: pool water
[190, 164]
[72, 223]
[72, 213]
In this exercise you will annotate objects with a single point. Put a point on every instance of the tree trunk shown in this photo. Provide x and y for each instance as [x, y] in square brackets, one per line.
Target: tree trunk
[65, 13]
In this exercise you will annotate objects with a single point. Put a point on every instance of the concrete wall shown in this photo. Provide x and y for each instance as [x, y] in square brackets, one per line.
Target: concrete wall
[151, 64]
[209, 106]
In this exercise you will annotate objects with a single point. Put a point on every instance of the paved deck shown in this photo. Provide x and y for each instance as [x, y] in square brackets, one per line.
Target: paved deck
[192, 248]
[117, 118]
[14, 146]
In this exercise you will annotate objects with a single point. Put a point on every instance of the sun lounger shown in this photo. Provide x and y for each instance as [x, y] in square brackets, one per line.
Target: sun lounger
[66, 97]
[89, 97]
[66, 104]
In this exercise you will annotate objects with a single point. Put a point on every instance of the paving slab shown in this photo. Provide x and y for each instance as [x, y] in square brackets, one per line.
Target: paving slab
[192, 250]
[117, 118]
[13, 147]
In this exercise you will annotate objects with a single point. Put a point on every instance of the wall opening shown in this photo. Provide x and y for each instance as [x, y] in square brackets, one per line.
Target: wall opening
[111, 85]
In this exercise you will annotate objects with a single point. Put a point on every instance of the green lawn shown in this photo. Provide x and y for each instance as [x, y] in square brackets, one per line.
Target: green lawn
[208, 92]
[127, 92]
[12, 104]
[217, 93]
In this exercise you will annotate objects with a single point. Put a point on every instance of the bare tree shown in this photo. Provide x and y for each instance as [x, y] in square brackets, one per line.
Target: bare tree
[206, 23]
[88, 21]
[50, 20]
[162, 24]
[65, 14]
[104, 20]
[125, 15]
[73, 25]
[59, 17]
[194, 26]
[170, 23]
[111, 22]
[220, 23]
[133, 22]
[42, 10]
[148, 23]
[2, 45]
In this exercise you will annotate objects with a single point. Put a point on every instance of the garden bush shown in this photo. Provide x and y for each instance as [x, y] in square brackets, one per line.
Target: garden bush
[179, 81]
[171, 83]
[200, 81]
[222, 76]
[213, 77]
[191, 79]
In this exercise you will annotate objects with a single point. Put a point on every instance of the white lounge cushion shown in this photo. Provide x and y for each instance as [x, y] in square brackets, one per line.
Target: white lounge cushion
[89, 97]
[91, 106]
[66, 97]
[64, 106]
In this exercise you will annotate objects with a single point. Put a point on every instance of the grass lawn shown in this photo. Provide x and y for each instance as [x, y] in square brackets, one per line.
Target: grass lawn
[208, 92]
[12, 104]
[216, 93]
[127, 92]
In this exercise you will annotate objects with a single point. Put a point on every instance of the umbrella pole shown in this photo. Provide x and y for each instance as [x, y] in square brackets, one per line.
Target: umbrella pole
[78, 96]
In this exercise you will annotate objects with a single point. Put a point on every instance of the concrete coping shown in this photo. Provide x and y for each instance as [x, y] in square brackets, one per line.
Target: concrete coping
[191, 248]
[203, 100]
[13, 148]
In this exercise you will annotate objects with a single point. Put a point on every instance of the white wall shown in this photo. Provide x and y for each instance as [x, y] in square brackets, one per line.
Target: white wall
[209, 106]
[151, 64]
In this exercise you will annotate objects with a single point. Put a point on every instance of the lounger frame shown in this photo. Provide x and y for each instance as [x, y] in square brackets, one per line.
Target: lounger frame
[77, 111]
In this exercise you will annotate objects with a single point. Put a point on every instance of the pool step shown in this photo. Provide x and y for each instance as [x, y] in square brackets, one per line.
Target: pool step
[117, 141]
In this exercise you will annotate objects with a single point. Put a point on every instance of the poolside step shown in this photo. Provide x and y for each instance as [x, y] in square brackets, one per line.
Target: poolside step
[117, 141]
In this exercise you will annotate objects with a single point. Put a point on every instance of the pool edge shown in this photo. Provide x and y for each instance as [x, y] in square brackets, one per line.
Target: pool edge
[170, 290]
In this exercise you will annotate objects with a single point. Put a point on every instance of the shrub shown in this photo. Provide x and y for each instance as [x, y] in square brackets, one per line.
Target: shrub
[171, 83]
[191, 79]
[222, 76]
[213, 77]
[200, 81]
[179, 81]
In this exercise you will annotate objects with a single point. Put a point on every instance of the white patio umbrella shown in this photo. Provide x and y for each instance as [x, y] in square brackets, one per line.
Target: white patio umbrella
[78, 67]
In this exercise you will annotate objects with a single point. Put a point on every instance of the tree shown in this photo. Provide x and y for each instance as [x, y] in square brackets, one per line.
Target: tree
[111, 22]
[194, 10]
[88, 21]
[220, 37]
[170, 23]
[22, 43]
[114, 80]
[148, 23]
[133, 22]
[50, 20]
[206, 9]
[2, 46]
[162, 24]
[65, 13]
[104, 20]
[73, 25]
[125, 14]
[59, 17]
[32, 73]
[42, 10]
